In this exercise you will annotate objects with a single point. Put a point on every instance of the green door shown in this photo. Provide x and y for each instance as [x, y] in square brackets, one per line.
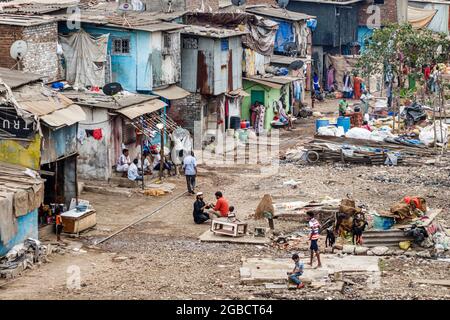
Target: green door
[257, 95]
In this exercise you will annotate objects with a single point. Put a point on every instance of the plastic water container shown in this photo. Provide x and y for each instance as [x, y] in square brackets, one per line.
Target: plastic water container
[344, 122]
[382, 223]
[322, 123]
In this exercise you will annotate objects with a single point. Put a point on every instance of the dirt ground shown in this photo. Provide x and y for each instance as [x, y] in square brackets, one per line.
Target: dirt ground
[162, 258]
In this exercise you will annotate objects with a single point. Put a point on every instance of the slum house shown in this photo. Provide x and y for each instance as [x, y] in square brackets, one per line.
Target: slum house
[114, 123]
[273, 92]
[212, 71]
[336, 28]
[21, 194]
[41, 37]
[138, 50]
[38, 129]
[178, 5]
[293, 40]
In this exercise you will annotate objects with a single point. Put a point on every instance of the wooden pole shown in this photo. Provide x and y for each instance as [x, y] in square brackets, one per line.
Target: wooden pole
[161, 164]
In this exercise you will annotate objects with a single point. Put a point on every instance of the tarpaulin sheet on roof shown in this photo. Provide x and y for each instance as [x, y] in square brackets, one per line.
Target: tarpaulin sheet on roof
[19, 194]
[261, 31]
[85, 58]
[172, 93]
[420, 18]
[65, 117]
[143, 108]
[285, 34]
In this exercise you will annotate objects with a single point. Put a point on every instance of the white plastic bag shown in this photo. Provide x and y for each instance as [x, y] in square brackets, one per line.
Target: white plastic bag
[426, 135]
[330, 131]
[358, 133]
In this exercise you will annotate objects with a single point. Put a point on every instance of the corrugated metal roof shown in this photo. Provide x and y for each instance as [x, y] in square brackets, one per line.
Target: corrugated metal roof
[141, 109]
[15, 79]
[173, 92]
[278, 13]
[65, 117]
[279, 59]
[100, 100]
[211, 32]
[25, 20]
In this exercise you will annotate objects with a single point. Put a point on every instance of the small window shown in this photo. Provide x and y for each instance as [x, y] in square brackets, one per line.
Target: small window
[121, 46]
[167, 41]
[224, 44]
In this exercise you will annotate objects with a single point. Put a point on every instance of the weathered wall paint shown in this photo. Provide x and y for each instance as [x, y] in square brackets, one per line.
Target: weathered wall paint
[27, 154]
[27, 227]
[94, 161]
[207, 68]
[133, 70]
[58, 143]
[166, 62]
[271, 95]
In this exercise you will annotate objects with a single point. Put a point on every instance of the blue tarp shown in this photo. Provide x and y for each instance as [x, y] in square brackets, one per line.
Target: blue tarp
[364, 33]
[284, 35]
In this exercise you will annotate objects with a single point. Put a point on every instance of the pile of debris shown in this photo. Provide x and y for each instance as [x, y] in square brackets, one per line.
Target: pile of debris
[23, 256]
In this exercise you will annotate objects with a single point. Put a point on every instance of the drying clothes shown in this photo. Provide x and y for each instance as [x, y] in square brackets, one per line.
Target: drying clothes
[330, 79]
[97, 134]
[81, 135]
[89, 133]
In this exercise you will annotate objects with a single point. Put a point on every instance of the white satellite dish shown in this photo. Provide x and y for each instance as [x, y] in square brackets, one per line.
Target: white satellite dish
[124, 7]
[18, 50]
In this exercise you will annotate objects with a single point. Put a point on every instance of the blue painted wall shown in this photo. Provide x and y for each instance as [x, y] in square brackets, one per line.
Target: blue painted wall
[58, 143]
[133, 71]
[27, 227]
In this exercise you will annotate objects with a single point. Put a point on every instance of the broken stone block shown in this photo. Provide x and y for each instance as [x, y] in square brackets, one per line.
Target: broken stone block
[360, 251]
[350, 249]
[380, 251]
[424, 254]
[410, 253]
[369, 253]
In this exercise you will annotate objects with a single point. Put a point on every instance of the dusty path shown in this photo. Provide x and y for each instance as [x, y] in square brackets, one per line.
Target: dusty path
[161, 257]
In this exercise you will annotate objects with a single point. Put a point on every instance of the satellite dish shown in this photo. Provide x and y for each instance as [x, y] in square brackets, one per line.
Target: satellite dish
[18, 50]
[113, 88]
[296, 65]
[124, 7]
[238, 2]
[283, 3]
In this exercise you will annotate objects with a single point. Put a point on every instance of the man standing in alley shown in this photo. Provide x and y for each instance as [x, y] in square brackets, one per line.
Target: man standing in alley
[190, 171]
[314, 238]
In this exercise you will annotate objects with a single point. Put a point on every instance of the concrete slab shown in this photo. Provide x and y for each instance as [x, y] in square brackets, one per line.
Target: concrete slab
[209, 236]
[266, 270]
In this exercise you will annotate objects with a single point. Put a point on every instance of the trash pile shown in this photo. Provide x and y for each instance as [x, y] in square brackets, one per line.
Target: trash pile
[409, 223]
[23, 256]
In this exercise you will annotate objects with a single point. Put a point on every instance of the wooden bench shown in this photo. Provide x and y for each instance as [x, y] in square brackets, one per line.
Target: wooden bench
[225, 227]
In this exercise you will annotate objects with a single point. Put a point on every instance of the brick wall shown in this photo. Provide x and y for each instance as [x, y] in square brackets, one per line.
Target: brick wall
[41, 57]
[8, 34]
[388, 12]
[186, 111]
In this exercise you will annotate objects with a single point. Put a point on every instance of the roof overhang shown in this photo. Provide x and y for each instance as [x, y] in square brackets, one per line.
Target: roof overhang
[135, 111]
[173, 92]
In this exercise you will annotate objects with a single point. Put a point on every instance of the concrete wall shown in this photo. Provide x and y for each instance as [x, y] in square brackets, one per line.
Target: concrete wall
[95, 158]
[166, 63]
[27, 227]
[41, 57]
[24, 153]
[133, 71]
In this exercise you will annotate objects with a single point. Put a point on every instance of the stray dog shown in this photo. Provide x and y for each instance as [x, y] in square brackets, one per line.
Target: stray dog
[331, 238]
[358, 227]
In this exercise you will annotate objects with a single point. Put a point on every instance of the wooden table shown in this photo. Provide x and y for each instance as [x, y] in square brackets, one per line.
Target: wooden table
[225, 227]
[76, 222]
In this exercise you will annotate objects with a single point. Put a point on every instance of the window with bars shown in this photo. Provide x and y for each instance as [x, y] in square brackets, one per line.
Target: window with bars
[121, 46]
